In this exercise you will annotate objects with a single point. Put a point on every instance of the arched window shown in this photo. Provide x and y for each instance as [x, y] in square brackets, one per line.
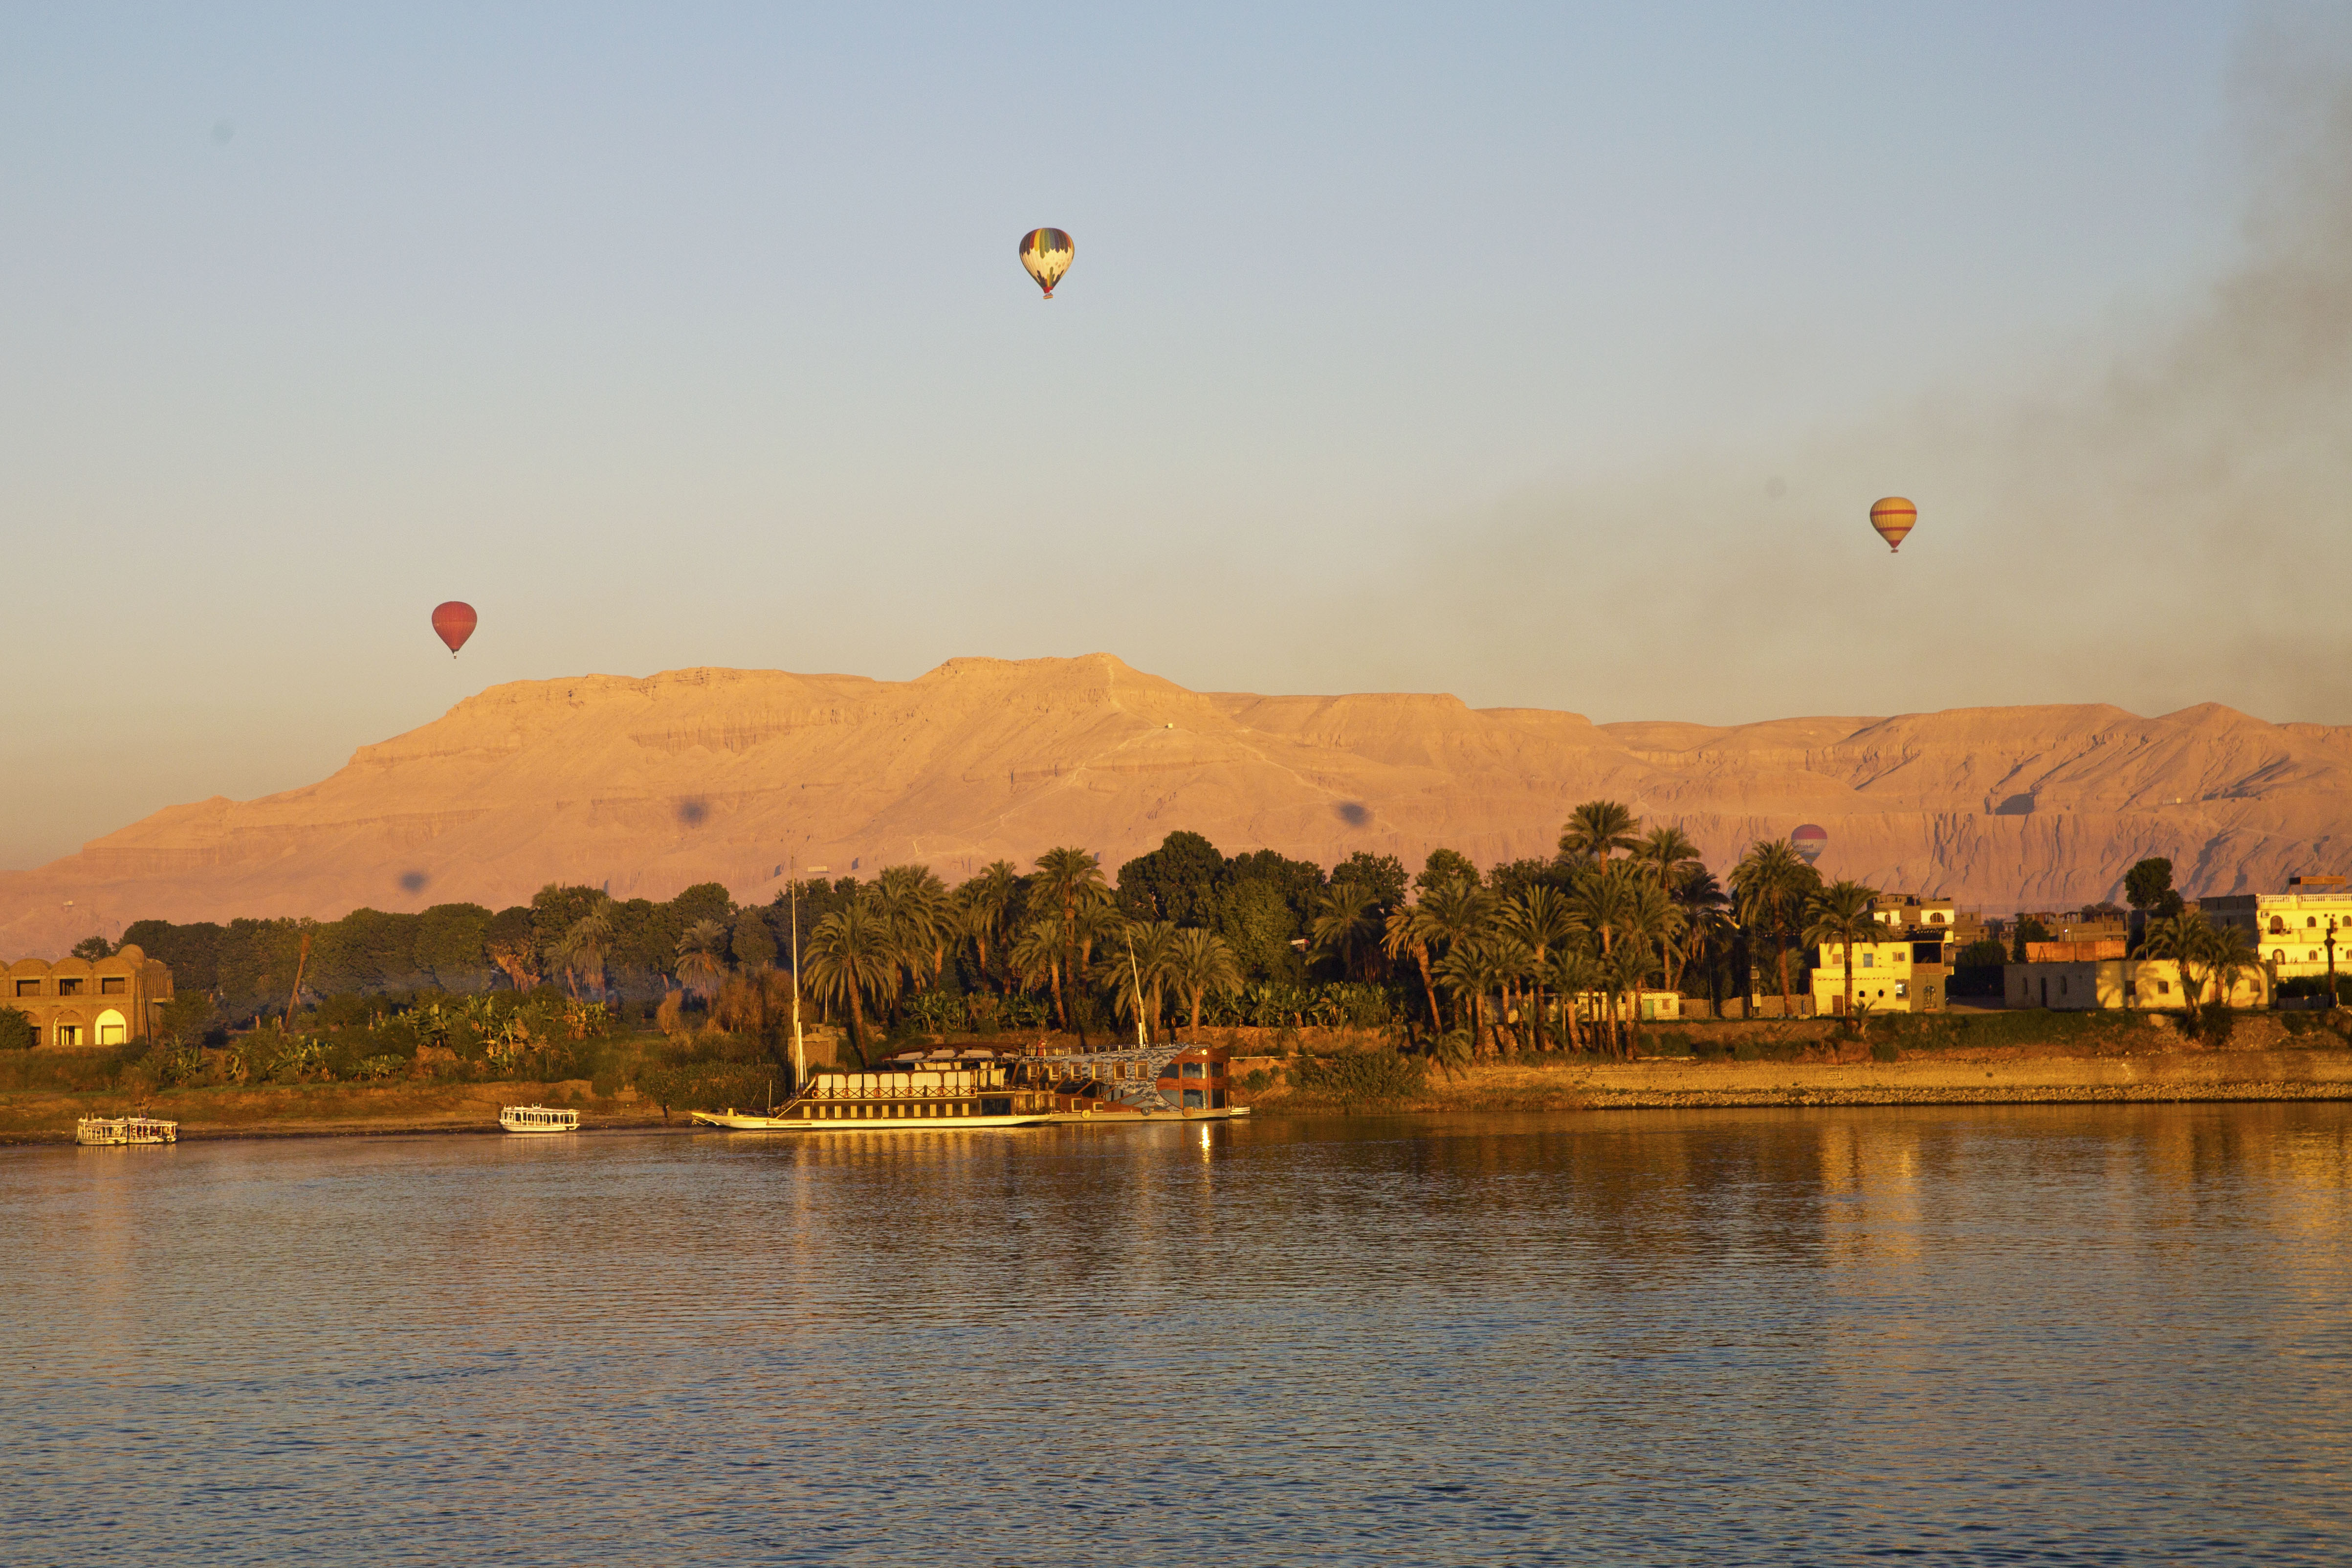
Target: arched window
[111, 1030]
[2278, 923]
[2278, 955]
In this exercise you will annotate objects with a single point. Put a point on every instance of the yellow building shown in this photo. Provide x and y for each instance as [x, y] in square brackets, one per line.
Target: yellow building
[2291, 929]
[90, 1001]
[1888, 978]
[2150, 984]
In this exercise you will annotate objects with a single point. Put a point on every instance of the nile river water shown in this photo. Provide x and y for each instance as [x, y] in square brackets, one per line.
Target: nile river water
[2045, 1334]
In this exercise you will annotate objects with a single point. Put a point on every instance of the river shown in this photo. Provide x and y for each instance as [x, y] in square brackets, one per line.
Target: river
[2062, 1333]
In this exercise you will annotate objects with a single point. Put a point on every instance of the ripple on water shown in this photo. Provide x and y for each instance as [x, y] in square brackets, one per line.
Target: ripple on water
[2075, 1334]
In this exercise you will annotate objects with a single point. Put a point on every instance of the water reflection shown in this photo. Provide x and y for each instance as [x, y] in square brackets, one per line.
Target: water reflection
[1708, 1335]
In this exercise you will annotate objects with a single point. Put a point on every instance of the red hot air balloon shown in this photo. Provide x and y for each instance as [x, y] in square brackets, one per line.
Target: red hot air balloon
[453, 622]
[1808, 841]
[1893, 517]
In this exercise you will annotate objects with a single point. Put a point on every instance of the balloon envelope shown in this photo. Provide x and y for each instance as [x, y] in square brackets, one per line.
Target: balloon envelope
[453, 622]
[1808, 841]
[1893, 517]
[1046, 253]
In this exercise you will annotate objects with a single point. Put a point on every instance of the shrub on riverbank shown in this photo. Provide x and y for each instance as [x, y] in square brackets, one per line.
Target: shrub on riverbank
[1355, 1077]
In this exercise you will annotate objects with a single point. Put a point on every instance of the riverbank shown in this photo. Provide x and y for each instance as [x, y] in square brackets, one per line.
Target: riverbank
[322, 1110]
[1794, 1064]
[1996, 1077]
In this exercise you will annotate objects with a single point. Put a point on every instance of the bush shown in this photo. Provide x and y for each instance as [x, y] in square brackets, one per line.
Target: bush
[1256, 1081]
[1354, 1076]
[16, 1030]
[1882, 1051]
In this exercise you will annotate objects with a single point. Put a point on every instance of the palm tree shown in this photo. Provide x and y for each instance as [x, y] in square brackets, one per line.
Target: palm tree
[1770, 885]
[987, 902]
[915, 901]
[1348, 926]
[2231, 953]
[1575, 974]
[852, 955]
[1142, 964]
[1540, 917]
[1698, 895]
[1452, 909]
[1198, 963]
[701, 961]
[1664, 851]
[1840, 914]
[1068, 879]
[1598, 829]
[582, 949]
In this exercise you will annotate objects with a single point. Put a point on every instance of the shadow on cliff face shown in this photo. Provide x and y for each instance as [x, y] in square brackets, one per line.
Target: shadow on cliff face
[2137, 520]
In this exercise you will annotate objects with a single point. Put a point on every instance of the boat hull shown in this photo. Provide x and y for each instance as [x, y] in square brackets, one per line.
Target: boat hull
[734, 1122]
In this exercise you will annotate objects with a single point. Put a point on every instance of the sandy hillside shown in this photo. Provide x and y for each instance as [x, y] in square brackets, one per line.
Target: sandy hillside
[698, 775]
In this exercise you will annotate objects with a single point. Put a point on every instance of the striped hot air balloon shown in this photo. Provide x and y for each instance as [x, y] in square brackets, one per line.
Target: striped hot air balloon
[1893, 517]
[1046, 253]
[1808, 841]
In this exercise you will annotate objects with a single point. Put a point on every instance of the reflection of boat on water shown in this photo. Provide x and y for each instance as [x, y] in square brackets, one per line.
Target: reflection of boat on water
[538, 1118]
[114, 1132]
[948, 1090]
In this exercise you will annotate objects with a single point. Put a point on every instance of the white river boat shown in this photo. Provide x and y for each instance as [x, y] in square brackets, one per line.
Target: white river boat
[538, 1118]
[115, 1131]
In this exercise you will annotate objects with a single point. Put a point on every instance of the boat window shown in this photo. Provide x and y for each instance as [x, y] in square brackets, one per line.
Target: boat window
[1193, 1069]
[1194, 1100]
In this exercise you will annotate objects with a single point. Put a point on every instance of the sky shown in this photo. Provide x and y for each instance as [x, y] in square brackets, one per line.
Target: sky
[1547, 356]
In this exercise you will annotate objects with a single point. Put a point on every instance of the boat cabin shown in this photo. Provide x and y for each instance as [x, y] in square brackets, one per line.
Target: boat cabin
[1199, 1078]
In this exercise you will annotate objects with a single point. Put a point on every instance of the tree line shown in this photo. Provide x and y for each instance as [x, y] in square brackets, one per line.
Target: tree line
[1532, 953]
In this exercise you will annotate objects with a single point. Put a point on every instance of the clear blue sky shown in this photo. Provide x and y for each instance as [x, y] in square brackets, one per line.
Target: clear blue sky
[1547, 356]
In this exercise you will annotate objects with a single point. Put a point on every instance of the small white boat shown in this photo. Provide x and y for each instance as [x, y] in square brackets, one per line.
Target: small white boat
[538, 1118]
[110, 1132]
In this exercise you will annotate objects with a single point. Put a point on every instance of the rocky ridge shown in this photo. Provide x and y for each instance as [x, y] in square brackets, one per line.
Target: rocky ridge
[646, 786]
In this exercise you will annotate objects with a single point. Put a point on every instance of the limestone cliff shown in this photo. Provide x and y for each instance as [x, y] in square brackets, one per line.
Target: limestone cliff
[648, 785]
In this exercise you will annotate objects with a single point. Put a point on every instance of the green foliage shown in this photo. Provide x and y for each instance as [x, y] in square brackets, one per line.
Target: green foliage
[1444, 866]
[2028, 930]
[1354, 1077]
[16, 1030]
[1259, 926]
[92, 948]
[753, 944]
[1383, 876]
[1255, 1082]
[2148, 886]
[452, 946]
[185, 1019]
[1982, 953]
[1883, 1052]
[1177, 882]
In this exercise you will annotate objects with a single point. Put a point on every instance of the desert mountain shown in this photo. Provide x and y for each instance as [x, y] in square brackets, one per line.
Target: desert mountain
[645, 786]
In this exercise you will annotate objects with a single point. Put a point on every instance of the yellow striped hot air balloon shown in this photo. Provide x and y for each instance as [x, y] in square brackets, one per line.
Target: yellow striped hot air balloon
[1046, 253]
[1893, 517]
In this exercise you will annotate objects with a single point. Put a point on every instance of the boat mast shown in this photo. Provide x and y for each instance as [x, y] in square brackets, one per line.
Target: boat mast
[793, 904]
[1136, 977]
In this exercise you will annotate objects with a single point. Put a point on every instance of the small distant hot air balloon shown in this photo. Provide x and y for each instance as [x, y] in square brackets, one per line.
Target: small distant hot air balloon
[1893, 517]
[453, 622]
[1046, 253]
[1808, 841]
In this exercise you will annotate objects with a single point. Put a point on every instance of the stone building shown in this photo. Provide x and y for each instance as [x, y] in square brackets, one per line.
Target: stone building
[89, 1001]
[2150, 984]
[1903, 976]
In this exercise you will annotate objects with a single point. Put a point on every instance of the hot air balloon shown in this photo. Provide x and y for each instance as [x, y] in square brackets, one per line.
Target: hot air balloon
[1893, 517]
[1046, 253]
[1808, 841]
[453, 622]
